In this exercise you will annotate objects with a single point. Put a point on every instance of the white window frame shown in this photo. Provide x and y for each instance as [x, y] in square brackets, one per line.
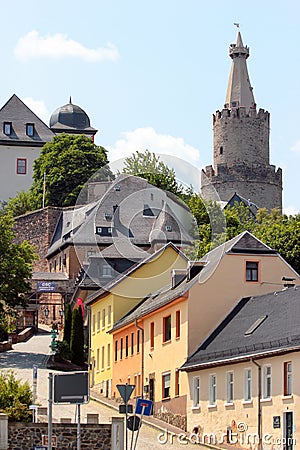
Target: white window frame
[98, 320]
[229, 387]
[103, 318]
[106, 270]
[212, 389]
[288, 373]
[267, 381]
[196, 392]
[102, 357]
[109, 315]
[247, 384]
[166, 383]
[108, 356]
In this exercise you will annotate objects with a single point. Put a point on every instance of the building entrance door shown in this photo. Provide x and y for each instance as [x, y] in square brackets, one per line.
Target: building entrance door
[288, 428]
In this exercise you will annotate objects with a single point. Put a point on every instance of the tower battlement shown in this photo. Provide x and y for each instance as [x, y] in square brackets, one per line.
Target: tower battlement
[236, 113]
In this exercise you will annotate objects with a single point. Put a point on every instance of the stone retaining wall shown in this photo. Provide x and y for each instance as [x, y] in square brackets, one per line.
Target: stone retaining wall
[24, 436]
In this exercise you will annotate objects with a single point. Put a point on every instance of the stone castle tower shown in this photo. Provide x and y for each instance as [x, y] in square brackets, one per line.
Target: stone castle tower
[241, 144]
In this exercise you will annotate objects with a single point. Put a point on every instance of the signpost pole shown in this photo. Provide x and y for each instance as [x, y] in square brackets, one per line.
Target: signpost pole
[138, 430]
[50, 401]
[78, 428]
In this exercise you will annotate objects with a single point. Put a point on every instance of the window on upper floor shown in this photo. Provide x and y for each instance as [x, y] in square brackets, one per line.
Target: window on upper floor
[121, 348]
[116, 351]
[267, 382]
[126, 346]
[247, 385]
[107, 270]
[132, 343]
[109, 315]
[151, 335]
[7, 128]
[30, 129]
[138, 338]
[287, 378]
[167, 328]
[97, 359]
[98, 320]
[177, 334]
[93, 323]
[251, 271]
[166, 383]
[196, 392]
[21, 166]
[212, 389]
[229, 387]
[103, 318]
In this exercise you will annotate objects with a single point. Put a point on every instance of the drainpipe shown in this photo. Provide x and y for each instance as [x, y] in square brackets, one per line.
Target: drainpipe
[259, 416]
[142, 368]
[89, 343]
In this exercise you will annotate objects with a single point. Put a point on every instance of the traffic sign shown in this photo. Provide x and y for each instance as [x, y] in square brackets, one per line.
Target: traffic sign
[143, 407]
[133, 423]
[71, 388]
[125, 391]
[39, 447]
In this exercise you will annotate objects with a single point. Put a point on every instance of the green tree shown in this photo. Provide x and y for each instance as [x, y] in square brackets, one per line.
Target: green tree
[77, 337]
[21, 204]
[147, 165]
[15, 266]
[68, 324]
[15, 398]
[68, 162]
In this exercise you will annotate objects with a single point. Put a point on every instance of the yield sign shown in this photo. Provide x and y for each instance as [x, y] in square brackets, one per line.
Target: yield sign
[125, 391]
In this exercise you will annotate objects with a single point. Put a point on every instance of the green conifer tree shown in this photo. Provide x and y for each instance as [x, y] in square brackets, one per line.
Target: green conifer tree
[77, 337]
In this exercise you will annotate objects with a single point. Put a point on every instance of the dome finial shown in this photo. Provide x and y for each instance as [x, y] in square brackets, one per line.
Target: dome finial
[70, 101]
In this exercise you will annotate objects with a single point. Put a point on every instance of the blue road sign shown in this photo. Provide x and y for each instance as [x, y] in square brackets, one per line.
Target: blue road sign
[46, 286]
[143, 407]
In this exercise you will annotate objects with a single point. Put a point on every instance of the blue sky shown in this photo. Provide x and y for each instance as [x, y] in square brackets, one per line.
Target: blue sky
[151, 74]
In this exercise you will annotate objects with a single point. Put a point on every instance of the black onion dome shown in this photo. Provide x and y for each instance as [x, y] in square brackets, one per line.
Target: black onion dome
[71, 116]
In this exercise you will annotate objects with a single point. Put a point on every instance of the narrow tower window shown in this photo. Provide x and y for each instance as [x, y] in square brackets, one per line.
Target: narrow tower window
[221, 150]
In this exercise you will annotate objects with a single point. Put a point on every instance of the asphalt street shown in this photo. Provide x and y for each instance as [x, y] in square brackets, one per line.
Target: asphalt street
[36, 352]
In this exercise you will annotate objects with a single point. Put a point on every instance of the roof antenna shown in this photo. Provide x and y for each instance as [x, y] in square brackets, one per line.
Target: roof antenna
[70, 101]
[236, 24]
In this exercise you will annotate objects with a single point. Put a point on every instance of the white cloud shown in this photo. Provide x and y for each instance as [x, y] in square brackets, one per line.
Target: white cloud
[57, 46]
[296, 147]
[173, 151]
[141, 139]
[38, 107]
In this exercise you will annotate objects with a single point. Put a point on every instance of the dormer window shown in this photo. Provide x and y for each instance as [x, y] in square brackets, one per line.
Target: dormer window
[30, 129]
[7, 128]
[168, 228]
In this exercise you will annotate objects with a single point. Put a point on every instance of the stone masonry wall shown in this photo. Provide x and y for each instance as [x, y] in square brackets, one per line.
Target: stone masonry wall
[261, 184]
[241, 136]
[37, 227]
[24, 436]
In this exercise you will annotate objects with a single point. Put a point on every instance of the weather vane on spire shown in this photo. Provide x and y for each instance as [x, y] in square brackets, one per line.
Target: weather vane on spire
[237, 24]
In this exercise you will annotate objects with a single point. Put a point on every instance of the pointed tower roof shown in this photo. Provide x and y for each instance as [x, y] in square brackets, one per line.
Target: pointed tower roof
[239, 90]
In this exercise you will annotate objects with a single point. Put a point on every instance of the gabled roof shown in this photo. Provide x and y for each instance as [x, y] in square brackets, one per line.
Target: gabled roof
[237, 198]
[16, 112]
[121, 209]
[256, 326]
[108, 287]
[155, 301]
